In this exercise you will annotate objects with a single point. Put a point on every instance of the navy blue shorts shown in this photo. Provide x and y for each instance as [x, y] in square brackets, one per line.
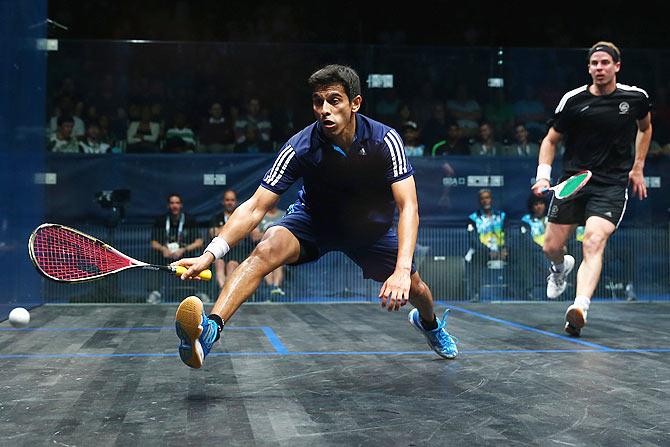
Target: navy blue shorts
[377, 258]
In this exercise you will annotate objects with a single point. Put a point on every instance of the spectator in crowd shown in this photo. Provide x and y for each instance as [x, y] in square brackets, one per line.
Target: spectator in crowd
[107, 133]
[453, 144]
[180, 137]
[423, 102]
[238, 253]
[216, 133]
[66, 108]
[404, 114]
[433, 130]
[500, 113]
[531, 111]
[411, 135]
[91, 115]
[253, 115]
[143, 134]
[92, 143]
[487, 249]
[386, 107]
[63, 140]
[158, 116]
[486, 144]
[275, 278]
[253, 142]
[522, 147]
[530, 269]
[174, 235]
[465, 109]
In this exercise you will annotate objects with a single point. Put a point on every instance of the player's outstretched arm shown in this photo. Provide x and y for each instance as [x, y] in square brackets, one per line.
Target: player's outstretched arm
[545, 160]
[642, 141]
[394, 293]
[244, 219]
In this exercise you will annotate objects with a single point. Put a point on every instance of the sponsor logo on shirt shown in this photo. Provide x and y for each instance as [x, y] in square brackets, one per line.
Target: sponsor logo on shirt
[624, 107]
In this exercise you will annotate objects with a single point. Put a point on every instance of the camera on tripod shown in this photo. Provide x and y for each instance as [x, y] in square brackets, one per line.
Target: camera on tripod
[116, 200]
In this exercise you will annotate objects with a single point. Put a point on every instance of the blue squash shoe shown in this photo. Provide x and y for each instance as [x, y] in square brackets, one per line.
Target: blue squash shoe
[196, 332]
[438, 339]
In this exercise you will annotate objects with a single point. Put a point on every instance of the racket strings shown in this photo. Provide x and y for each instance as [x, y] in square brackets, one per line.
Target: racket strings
[67, 255]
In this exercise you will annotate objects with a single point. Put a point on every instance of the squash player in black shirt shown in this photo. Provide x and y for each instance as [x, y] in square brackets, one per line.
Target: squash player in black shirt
[600, 124]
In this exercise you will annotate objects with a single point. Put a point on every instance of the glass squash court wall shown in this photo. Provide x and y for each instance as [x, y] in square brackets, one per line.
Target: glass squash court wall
[22, 110]
[114, 76]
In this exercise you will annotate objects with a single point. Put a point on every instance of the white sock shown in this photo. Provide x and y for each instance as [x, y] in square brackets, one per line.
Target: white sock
[558, 268]
[583, 301]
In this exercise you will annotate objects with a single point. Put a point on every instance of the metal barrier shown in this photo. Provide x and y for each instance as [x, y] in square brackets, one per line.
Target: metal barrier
[636, 266]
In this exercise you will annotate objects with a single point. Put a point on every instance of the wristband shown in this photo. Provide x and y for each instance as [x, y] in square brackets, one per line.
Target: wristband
[543, 172]
[218, 247]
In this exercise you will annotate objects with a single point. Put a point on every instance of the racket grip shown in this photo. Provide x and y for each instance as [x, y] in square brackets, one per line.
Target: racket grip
[205, 274]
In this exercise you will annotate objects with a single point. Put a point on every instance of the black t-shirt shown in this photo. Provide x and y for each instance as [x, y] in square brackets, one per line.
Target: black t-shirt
[183, 229]
[218, 220]
[599, 131]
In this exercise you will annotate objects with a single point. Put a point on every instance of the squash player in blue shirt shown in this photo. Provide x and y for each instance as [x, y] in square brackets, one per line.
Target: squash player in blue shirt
[355, 174]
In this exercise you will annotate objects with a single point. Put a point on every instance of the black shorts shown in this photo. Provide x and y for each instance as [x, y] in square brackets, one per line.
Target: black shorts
[595, 199]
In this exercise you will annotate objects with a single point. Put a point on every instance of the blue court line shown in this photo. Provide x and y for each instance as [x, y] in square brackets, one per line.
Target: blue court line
[274, 340]
[343, 353]
[526, 328]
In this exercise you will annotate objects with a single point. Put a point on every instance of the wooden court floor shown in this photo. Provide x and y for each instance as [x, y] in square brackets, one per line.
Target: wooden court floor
[339, 374]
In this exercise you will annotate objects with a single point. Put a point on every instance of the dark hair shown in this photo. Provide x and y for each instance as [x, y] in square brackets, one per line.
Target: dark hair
[532, 200]
[174, 194]
[337, 74]
[64, 119]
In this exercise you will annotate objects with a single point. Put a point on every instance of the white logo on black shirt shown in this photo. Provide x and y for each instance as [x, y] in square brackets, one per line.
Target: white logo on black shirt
[624, 107]
[362, 152]
[584, 108]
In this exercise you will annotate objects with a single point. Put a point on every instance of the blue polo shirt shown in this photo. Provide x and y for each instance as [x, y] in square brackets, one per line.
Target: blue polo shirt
[344, 189]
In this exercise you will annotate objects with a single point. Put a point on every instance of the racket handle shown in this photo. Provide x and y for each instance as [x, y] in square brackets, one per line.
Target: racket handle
[205, 274]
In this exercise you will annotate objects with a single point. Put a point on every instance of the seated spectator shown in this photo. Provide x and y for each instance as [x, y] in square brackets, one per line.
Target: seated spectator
[240, 251]
[92, 144]
[180, 137]
[107, 134]
[531, 111]
[486, 144]
[465, 109]
[143, 134]
[254, 116]
[386, 107]
[530, 268]
[411, 135]
[433, 130]
[522, 147]
[62, 140]
[175, 235]
[67, 108]
[500, 113]
[453, 144]
[487, 249]
[216, 134]
[253, 142]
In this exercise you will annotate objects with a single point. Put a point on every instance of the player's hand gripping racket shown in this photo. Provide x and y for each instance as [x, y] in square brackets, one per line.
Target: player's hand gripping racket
[571, 185]
[64, 254]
